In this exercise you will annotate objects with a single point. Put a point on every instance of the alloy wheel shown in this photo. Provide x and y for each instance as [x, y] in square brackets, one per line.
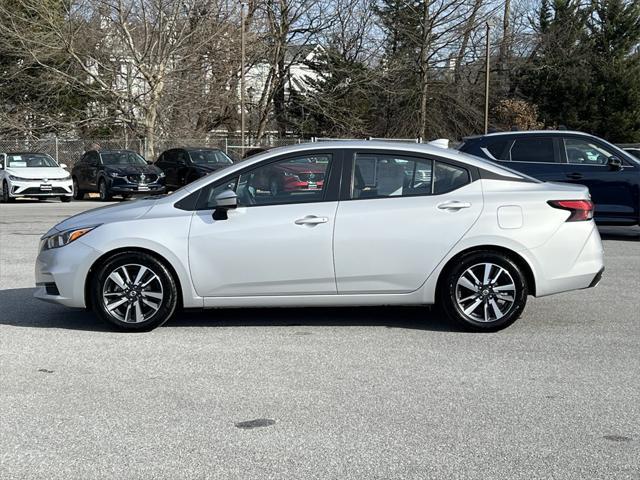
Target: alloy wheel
[132, 293]
[485, 292]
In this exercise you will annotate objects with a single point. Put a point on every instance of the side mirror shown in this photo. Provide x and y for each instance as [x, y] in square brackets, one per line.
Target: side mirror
[149, 162]
[63, 165]
[614, 163]
[225, 201]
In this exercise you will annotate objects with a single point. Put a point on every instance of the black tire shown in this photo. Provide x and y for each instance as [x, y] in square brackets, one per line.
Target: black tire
[103, 190]
[450, 293]
[167, 305]
[65, 199]
[6, 198]
[77, 193]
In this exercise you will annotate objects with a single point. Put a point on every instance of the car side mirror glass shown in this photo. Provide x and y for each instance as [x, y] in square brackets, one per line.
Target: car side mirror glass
[224, 201]
[614, 163]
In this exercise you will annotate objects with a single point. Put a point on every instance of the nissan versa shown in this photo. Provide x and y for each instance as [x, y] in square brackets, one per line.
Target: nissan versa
[390, 224]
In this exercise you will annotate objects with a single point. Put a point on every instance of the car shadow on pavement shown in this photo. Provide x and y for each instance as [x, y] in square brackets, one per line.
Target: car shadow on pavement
[20, 309]
[631, 234]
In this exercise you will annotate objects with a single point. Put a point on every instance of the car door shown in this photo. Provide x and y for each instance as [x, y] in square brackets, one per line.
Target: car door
[614, 190]
[183, 164]
[169, 168]
[273, 243]
[398, 218]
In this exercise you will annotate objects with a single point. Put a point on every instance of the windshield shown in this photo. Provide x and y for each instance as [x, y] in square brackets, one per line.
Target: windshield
[208, 157]
[26, 160]
[122, 158]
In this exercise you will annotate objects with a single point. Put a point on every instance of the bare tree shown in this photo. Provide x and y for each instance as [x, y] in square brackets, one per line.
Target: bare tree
[124, 53]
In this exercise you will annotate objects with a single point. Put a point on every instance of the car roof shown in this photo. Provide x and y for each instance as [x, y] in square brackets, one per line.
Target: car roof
[530, 132]
[113, 151]
[196, 149]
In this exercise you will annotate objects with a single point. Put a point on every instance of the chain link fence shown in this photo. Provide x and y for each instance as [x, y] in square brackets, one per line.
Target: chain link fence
[69, 151]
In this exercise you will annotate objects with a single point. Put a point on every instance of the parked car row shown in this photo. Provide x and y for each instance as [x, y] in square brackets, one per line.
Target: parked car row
[109, 173]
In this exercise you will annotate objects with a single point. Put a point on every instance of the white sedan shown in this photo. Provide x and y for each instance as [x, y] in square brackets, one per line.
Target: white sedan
[35, 175]
[387, 224]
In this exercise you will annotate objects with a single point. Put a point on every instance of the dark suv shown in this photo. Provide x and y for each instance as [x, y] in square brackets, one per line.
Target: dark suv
[184, 165]
[115, 172]
[612, 175]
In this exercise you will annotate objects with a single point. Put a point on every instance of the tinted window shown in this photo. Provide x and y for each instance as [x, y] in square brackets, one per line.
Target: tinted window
[376, 176]
[295, 180]
[497, 149]
[533, 149]
[585, 152]
[209, 157]
[122, 158]
[449, 177]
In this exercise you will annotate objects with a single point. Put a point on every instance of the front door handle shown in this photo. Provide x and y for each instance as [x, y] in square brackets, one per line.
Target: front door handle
[454, 206]
[311, 220]
[574, 176]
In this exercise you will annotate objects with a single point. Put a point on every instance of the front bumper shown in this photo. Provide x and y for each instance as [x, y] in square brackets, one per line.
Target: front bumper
[60, 273]
[122, 185]
[38, 188]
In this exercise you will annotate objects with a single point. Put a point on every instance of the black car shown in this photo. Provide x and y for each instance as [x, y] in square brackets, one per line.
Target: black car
[184, 165]
[115, 172]
[612, 175]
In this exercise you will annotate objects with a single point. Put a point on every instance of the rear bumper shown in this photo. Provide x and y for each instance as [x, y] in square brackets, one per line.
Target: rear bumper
[564, 263]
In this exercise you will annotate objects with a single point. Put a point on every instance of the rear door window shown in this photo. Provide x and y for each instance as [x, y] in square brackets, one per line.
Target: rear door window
[496, 149]
[533, 149]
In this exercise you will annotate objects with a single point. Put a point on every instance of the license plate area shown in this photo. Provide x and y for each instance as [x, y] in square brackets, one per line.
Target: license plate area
[45, 187]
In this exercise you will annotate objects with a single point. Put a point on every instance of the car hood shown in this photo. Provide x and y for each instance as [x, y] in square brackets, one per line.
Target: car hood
[133, 169]
[111, 213]
[51, 173]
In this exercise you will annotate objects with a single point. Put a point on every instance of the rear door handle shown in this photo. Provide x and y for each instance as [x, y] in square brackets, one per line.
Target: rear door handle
[311, 220]
[574, 176]
[454, 206]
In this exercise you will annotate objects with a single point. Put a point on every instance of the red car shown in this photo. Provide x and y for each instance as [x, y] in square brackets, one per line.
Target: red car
[300, 175]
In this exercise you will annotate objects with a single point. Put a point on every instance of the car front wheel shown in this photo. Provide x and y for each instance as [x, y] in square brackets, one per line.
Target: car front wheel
[77, 193]
[134, 291]
[483, 291]
[6, 198]
[103, 189]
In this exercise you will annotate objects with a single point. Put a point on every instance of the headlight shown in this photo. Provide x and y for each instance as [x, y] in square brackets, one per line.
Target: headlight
[64, 238]
[116, 174]
[22, 179]
[161, 175]
[68, 177]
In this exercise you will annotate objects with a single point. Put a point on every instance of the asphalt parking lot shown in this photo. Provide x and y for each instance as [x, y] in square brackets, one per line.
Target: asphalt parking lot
[339, 393]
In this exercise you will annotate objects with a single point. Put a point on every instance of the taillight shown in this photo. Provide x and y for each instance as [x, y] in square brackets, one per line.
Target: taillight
[581, 210]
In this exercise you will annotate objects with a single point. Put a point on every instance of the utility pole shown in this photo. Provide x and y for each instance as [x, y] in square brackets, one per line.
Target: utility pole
[486, 82]
[242, 54]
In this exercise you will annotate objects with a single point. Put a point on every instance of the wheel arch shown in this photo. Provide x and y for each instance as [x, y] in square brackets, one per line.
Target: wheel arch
[104, 257]
[513, 255]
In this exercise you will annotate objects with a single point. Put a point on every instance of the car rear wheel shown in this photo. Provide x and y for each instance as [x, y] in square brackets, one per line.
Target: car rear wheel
[483, 291]
[6, 198]
[105, 195]
[134, 291]
[77, 193]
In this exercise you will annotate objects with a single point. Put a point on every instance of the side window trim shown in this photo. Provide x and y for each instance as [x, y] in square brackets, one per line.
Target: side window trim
[330, 193]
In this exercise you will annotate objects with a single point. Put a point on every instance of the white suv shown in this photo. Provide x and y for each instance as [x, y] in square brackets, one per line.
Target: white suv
[36, 175]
